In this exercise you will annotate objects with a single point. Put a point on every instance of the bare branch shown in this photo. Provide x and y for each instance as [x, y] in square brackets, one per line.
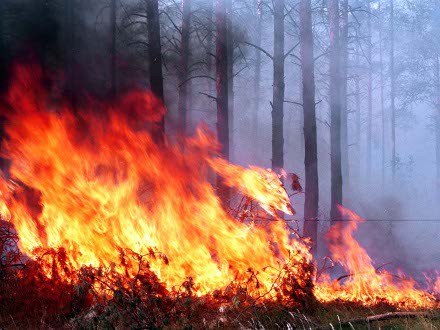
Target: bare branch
[259, 48]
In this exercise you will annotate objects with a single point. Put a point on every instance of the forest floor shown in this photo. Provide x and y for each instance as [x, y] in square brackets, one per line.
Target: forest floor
[196, 313]
[348, 316]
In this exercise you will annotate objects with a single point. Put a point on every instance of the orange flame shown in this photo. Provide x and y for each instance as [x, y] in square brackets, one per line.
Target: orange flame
[96, 183]
[364, 284]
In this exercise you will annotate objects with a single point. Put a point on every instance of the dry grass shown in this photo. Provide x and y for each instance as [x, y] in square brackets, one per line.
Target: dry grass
[100, 298]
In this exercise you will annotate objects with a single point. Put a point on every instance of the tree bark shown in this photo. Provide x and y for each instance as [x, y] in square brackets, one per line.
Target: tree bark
[370, 95]
[209, 45]
[113, 48]
[358, 123]
[3, 57]
[257, 78]
[344, 83]
[3, 80]
[155, 64]
[230, 49]
[335, 109]
[310, 135]
[278, 88]
[392, 94]
[437, 120]
[183, 69]
[382, 97]
[69, 51]
[222, 90]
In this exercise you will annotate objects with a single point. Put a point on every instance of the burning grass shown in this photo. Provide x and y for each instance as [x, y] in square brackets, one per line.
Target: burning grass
[117, 231]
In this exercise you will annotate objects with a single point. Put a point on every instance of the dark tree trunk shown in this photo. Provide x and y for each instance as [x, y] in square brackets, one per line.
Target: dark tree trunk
[370, 95]
[222, 89]
[155, 63]
[257, 78]
[113, 48]
[382, 97]
[357, 86]
[230, 49]
[335, 109]
[3, 51]
[392, 94]
[209, 45]
[310, 136]
[183, 69]
[358, 122]
[278, 88]
[344, 83]
[3, 80]
[437, 120]
[69, 51]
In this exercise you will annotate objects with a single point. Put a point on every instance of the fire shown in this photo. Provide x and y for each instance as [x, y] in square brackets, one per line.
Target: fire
[364, 284]
[94, 183]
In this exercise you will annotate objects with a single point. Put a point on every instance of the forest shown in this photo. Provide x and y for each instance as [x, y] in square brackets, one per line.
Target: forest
[252, 164]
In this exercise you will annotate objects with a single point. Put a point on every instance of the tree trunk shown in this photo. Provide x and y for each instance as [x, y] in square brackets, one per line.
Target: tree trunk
[155, 64]
[335, 109]
[2, 47]
[257, 78]
[3, 80]
[310, 135]
[392, 94]
[344, 83]
[230, 49]
[437, 121]
[222, 90]
[113, 48]
[3, 50]
[278, 88]
[69, 51]
[184, 59]
[209, 45]
[382, 97]
[370, 95]
[358, 122]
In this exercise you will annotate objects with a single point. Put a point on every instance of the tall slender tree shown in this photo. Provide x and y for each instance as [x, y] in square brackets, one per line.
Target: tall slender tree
[344, 85]
[69, 50]
[310, 135]
[335, 110]
[370, 91]
[230, 49]
[113, 48]
[278, 87]
[382, 92]
[437, 119]
[155, 63]
[357, 84]
[183, 68]
[257, 76]
[3, 75]
[222, 89]
[392, 94]
[209, 44]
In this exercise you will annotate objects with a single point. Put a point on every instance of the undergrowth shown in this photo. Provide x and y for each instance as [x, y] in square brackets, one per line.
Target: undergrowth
[48, 293]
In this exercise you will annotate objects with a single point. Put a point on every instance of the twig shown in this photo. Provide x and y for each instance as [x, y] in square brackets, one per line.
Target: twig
[383, 317]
